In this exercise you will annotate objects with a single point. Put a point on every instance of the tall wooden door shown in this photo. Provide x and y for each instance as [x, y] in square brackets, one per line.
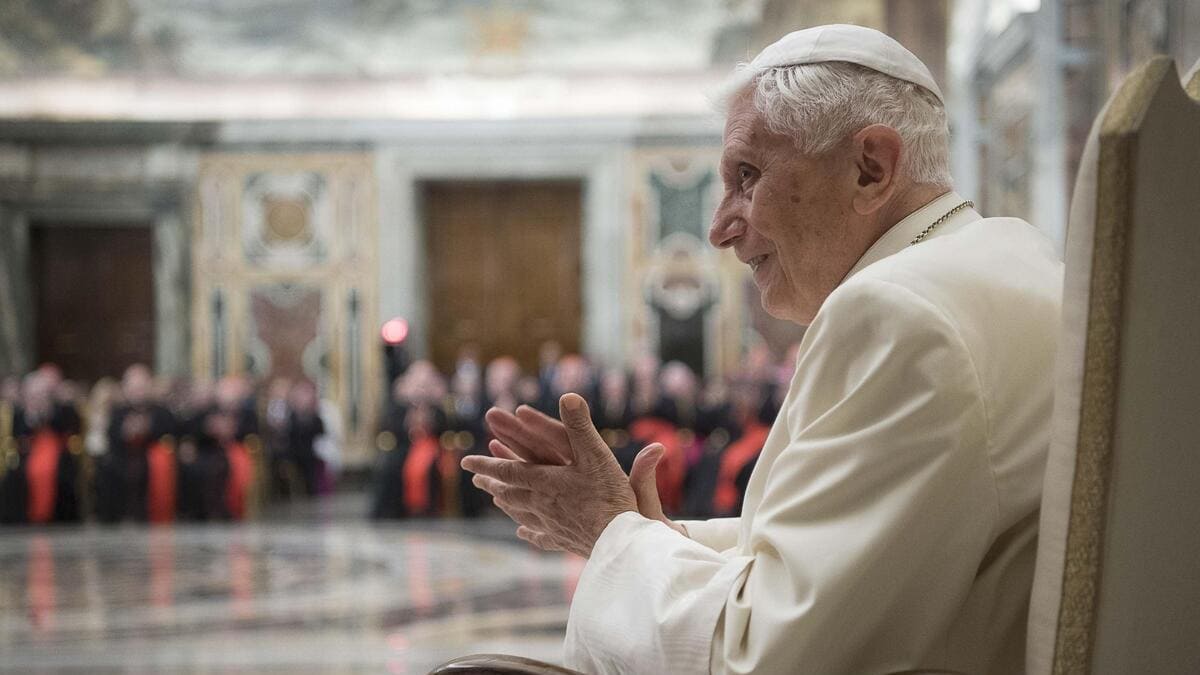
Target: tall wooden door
[504, 267]
[93, 291]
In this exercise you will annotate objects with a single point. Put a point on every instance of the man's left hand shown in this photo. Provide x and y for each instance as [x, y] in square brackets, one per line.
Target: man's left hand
[559, 508]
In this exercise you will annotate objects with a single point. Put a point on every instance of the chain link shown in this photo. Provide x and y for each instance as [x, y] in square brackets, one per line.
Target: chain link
[925, 232]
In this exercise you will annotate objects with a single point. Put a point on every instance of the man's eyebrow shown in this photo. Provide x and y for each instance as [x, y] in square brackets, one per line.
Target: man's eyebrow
[732, 159]
[728, 169]
[734, 151]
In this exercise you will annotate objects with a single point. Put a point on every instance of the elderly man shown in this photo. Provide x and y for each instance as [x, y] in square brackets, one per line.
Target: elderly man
[890, 523]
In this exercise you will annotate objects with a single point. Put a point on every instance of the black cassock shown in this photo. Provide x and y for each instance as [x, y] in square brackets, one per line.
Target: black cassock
[42, 453]
[123, 473]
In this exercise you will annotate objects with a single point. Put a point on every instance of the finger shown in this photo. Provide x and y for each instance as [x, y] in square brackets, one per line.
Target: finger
[513, 472]
[548, 430]
[642, 477]
[498, 489]
[502, 451]
[589, 449]
[496, 421]
[515, 435]
[539, 539]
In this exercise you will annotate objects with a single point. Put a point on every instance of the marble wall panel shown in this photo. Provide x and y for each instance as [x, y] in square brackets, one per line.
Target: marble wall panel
[285, 285]
[697, 305]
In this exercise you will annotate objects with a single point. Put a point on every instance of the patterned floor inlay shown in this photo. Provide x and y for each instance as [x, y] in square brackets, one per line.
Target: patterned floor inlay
[276, 597]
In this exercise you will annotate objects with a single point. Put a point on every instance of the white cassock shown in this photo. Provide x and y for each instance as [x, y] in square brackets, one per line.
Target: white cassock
[891, 520]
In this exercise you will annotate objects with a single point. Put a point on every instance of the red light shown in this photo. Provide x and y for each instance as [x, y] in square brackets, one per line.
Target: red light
[394, 331]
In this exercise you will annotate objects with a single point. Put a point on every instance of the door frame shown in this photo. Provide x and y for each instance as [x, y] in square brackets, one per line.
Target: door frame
[506, 201]
[158, 208]
[604, 222]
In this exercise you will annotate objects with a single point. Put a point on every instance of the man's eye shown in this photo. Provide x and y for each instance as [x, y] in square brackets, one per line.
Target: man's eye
[745, 173]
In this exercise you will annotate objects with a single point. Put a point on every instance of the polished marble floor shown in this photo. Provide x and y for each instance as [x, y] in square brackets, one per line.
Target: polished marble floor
[301, 592]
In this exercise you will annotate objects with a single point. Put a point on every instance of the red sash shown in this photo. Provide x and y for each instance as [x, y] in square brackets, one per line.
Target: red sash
[241, 475]
[41, 475]
[160, 483]
[673, 465]
[736, 456]
[418, 493]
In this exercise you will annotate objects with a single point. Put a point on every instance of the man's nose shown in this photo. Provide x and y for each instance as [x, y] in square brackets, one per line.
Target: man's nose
[727, 226]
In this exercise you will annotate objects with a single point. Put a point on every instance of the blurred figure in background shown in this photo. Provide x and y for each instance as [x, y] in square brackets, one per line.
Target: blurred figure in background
[573, 374]
[276, 418]
[304, 428]
[407, 479]
[466, 399]
[673, 425]
[612, 409]
[644, 396]
[500, 381]
[613, 414]
[714, 429]
[193, 448]
[549, 354]
[97, 413]
[387, 490]
[467, 364]
[123, 474]
[679, 391]
[161, 448]
[68, 399]
[328, 445]
[466, 435]
[229, 427]
[748, 435]
[529, 392]
[40, 485]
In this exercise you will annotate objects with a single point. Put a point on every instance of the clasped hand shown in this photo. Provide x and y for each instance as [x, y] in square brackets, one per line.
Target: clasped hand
[558, 480]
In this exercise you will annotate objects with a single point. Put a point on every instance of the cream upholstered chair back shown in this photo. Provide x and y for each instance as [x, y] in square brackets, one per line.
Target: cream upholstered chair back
[1117, 586]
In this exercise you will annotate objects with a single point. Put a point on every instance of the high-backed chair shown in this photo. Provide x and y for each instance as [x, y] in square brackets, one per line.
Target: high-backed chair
[1117, 586]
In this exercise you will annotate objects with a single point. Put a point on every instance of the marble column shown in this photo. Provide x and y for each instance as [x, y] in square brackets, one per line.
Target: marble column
[171, 295]
[16, 325]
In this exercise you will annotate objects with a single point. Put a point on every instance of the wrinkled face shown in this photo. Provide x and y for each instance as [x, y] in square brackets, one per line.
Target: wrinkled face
[785, 215]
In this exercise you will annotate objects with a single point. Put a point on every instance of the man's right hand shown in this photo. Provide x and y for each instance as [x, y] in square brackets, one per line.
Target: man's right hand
[540, 439]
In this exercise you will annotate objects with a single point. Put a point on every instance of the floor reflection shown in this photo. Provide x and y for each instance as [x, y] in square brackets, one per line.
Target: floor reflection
[276, 597]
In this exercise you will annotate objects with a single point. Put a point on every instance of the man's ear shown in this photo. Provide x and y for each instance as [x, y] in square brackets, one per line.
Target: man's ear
[877, 150]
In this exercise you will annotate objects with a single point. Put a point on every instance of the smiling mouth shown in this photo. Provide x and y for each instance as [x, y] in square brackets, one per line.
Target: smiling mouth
[756, 261]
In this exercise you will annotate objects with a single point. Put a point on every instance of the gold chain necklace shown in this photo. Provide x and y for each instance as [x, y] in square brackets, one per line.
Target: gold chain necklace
[925, 232]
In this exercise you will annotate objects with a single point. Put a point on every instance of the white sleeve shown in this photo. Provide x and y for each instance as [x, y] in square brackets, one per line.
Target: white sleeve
[872, 520]
[719, 534]
[648, 600]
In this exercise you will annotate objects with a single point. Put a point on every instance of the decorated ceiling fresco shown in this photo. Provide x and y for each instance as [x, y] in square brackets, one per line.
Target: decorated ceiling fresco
[362, 39]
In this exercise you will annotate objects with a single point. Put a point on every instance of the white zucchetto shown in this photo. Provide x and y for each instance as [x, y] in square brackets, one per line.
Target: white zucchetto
[853, 44]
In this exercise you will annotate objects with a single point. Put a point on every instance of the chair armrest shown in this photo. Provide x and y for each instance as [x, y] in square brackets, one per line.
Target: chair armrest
[499, 664]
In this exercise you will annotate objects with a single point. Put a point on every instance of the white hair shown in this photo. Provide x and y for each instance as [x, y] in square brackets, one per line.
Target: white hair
[821, 104]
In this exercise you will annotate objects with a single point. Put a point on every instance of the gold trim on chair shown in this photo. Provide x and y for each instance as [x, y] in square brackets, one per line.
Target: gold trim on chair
[1192, 86]
[1091, 495]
